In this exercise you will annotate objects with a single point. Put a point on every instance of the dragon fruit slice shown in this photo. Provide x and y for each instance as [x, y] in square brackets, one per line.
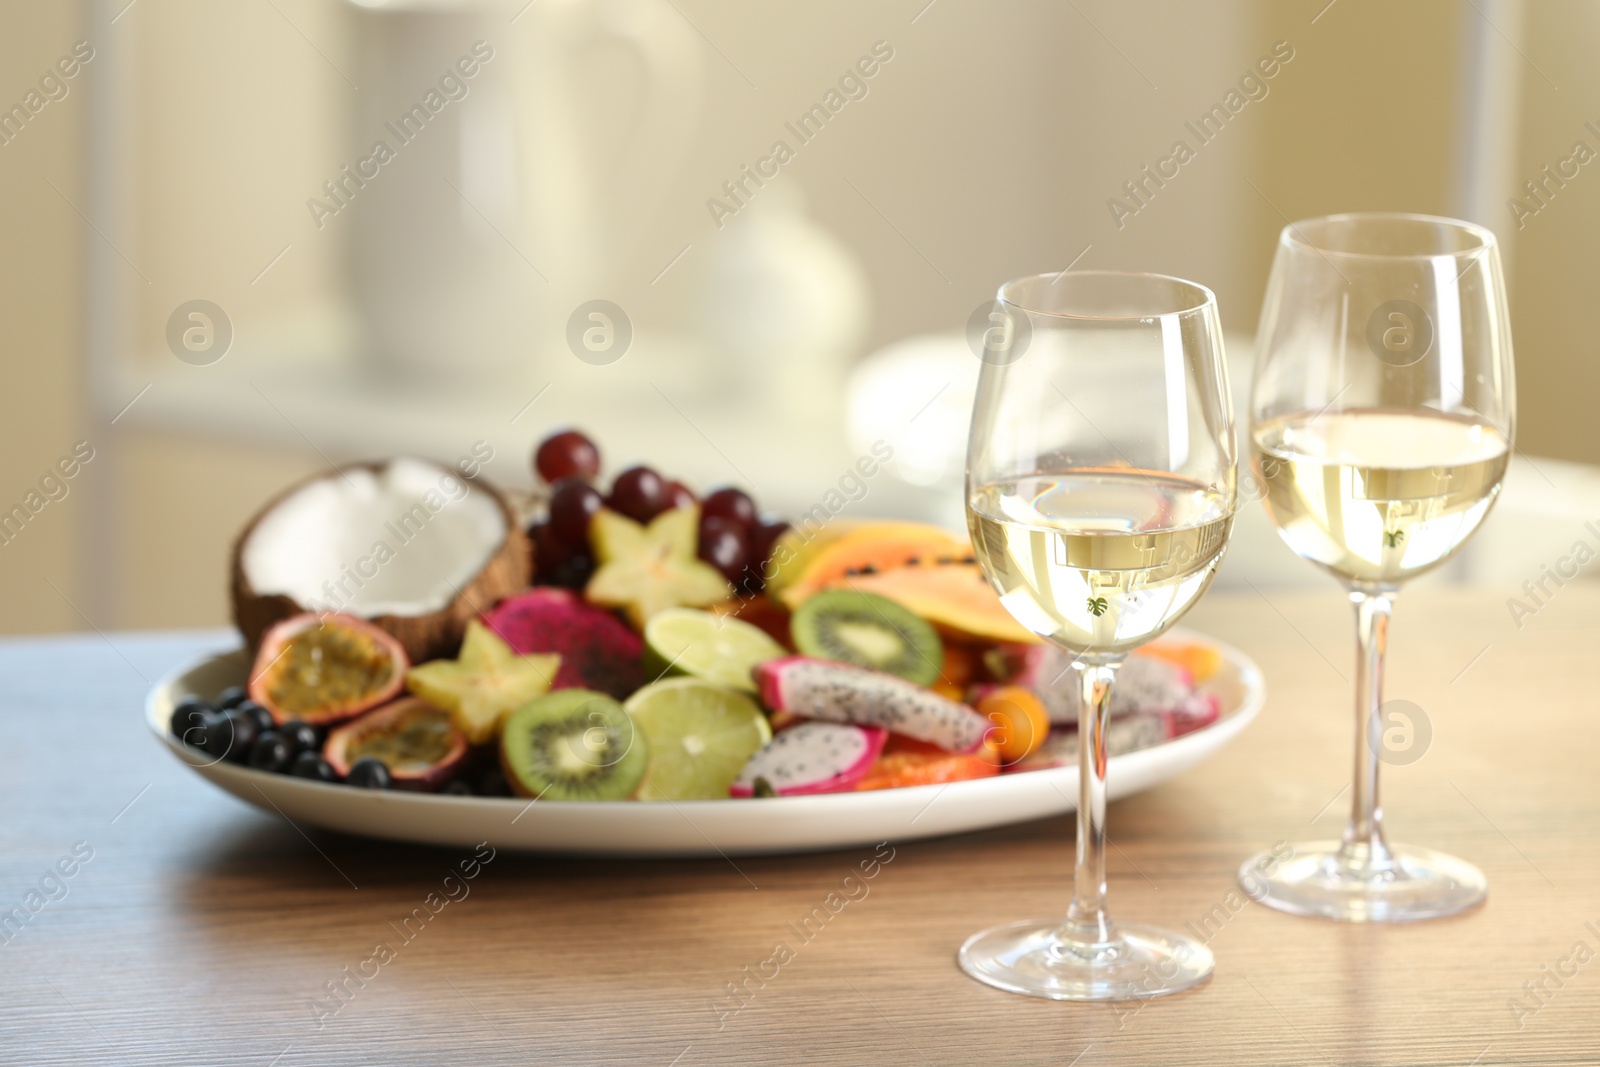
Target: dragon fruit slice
[1128, 734]
[598, 650]
[838, 692]
[1195, 711]
[813, 757]
[1144, 684]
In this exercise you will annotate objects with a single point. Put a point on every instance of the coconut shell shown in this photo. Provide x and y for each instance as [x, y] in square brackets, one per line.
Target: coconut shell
[436, 635]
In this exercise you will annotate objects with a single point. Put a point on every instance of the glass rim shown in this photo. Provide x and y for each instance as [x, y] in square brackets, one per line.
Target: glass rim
[1201, 297]
[1483, 236]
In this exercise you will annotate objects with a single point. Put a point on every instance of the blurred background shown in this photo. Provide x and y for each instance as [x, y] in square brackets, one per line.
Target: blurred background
[770, 313]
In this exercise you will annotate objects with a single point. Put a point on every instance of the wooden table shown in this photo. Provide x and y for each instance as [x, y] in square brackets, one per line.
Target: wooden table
[202, 931]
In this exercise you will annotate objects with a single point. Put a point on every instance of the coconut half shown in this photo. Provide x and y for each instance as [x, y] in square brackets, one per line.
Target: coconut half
[408, 544]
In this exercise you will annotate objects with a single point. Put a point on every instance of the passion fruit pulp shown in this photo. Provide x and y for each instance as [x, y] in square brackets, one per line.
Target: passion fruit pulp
[324, 669]
[415, 740]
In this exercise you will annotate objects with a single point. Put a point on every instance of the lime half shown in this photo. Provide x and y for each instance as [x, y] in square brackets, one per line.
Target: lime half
[699, 737]
[714, 648]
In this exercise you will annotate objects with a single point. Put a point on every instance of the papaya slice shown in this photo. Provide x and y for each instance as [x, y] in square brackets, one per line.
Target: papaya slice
[956, 597]
[906, 762]
[925, 569]
[878, 545]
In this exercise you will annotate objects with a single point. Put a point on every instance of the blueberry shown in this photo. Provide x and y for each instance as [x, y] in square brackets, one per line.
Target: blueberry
[245, 731]
[310, 765]
[231, 697]
[214, 735]
[369, 773]
[302, 737]
[260, 715]
[457, 788]
[185, 718]
[270, 753]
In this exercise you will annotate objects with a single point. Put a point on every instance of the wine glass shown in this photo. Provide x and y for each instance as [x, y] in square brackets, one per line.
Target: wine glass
[1101, 486]
[1380, 425]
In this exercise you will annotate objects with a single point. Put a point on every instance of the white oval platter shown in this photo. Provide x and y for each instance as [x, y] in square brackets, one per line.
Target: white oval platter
[700, 827]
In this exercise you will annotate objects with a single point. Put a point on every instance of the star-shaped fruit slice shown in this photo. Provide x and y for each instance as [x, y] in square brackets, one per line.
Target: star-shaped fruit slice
[646, 569]
[485, 684]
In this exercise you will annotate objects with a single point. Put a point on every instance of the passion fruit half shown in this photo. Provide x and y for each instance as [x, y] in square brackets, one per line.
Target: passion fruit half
[324, 669]
[415, 740]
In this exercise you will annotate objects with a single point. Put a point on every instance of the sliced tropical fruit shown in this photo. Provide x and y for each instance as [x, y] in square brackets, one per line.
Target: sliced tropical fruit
[325, 668]
[1144, 683]
[868, 631]
[1130, 733]
[925, 569]
[700, 736]
[483, 685]
[573, 744]
[416, 741]
[811, 757]
[955, 596]
[961, 663]
[646, 569]
[825, 561]
[714, 648]
[795, 549]
[1200, 660]
[906, 762]
[597, 649]
[840, 692]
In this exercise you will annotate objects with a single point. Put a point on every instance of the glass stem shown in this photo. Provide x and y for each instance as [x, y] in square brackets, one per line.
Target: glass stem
[1087, 922]
[1364, 848]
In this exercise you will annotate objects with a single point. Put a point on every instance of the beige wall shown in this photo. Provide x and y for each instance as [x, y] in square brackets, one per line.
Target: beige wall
[992, 142]
[1557, 252]
[43, 409]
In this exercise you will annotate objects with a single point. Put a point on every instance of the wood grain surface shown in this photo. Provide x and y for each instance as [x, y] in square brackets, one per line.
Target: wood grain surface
[202, 931]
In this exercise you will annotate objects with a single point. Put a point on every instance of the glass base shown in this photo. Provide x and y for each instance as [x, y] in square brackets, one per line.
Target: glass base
[1034, 959]
[1318, 881]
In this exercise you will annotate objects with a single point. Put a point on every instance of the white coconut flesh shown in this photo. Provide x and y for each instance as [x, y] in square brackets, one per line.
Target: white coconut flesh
[404, 539]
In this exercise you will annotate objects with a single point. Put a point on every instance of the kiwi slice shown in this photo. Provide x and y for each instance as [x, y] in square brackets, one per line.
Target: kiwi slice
[573, 744]
[869, 631]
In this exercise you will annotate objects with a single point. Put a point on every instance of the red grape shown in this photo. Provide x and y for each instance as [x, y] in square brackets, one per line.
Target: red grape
[549, 550]
[555, 562]
[680, 496]
[568, 454]
[639, 493]
[762, 537]
[723, 545]
[572, 504]
[732, 504]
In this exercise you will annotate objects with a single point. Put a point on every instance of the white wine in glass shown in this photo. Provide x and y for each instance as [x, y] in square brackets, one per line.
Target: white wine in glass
[1101, 560]
[1378, 495]
[1101, 487]
[1380, 426]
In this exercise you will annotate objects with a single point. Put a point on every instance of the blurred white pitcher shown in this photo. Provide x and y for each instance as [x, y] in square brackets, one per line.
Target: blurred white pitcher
[523, 142]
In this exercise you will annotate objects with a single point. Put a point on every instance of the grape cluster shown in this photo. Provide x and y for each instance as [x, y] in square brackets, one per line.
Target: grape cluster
[733, 538]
